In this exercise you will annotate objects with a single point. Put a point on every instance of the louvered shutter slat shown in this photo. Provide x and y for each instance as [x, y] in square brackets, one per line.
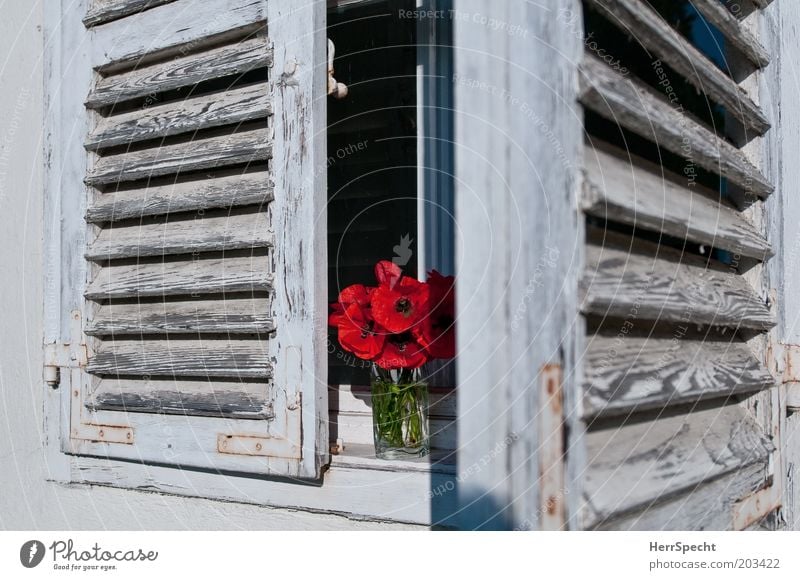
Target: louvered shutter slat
[182, 358]
[662, 204]
[668, 45]
[238, 147]
[203, 276]
[209, 191]
[238, 400]
[208, 234]
[191, 114]
[183, 71]
[237, 316]
[635, 107]
[672, 320]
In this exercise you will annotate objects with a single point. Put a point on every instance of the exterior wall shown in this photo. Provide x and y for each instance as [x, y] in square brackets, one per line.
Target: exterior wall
[29, 500]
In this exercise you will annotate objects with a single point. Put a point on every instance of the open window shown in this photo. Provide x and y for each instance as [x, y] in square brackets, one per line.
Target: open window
[389, 186]
[187, 236]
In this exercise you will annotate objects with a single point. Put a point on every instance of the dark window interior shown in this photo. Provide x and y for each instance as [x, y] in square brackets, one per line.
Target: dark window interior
[372, 155]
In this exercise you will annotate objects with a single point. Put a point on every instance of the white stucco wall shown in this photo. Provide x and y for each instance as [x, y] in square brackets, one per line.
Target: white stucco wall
[27, 500]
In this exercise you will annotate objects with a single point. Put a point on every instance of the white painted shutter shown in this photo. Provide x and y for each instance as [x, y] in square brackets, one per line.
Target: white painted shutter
[675, 339]
[198, 321]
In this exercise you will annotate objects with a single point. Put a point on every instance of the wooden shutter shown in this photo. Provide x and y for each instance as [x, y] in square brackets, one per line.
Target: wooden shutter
[675, 288]
[193, 137]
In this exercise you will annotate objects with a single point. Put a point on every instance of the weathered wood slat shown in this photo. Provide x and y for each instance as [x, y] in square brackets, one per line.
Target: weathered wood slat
[656, 35]
[208, 153]
[624, 374]
[248, 274]
[232, 316]
[185, 71]
[741, 38]
[620, 187]
[670, 287]
[210, 192]
[709, 506]
[238, 400]
[182, 358]
[636, 465]
[638, 109]
[102, 11]
[188, 236]
[192, 114]
[166, 29]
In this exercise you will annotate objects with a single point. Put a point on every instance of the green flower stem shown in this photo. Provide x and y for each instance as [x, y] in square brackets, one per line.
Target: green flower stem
[399, 407]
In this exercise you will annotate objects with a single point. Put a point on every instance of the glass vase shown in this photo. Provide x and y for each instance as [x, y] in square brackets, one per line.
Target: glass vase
[399, 413]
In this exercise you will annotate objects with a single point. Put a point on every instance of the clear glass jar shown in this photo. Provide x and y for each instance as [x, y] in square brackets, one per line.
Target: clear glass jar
[400, 413]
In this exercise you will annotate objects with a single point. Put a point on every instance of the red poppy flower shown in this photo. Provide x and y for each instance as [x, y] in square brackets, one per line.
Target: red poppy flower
[401, 351]
[437, 333]
[387, 273]
[335, 317]
[359, 334]
[356, 294]
[400, 308]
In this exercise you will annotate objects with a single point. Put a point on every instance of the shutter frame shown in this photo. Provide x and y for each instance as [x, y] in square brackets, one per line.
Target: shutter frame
[290, 436]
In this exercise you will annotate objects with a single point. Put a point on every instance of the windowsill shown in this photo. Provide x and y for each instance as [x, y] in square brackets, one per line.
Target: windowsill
[360, 456]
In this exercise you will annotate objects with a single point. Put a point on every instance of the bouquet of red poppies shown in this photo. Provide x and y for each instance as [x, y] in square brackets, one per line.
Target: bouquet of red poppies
[401, 323]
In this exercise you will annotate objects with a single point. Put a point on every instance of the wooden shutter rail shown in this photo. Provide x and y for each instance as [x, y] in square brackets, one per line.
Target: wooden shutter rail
[635, 466]
[172, 30]
[655, 34]
[669, 287]
[235, 400]
[102, 11]
[631, 374]
[189, 236]
[637, 108]
[206, 153]
[718, 15]
[232, 316]
[209, 192]
[205, 111]
[623, 188]
[185, 71]
[248, 274]
[182, 358]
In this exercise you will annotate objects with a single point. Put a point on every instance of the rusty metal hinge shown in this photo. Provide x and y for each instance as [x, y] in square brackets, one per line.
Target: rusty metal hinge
[62, 355]
[791, 376]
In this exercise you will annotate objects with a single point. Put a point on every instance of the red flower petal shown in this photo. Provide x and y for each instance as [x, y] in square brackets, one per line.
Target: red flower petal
[387, 273]
[400, 308]
[356, 294]
[359, 334]
[401, 351]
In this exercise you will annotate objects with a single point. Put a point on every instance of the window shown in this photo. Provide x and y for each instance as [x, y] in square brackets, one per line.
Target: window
[389, 190]
[187, 297]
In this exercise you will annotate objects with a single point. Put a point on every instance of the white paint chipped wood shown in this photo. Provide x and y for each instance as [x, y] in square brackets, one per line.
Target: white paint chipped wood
[650, 30]
[632, 374]
[167, 29]
[231, 316]
[621, 187]
[183, 71]
[635, 107]
[236, 147]
[187, 115]
[188, 236]
[191, 277]
[207, 191]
